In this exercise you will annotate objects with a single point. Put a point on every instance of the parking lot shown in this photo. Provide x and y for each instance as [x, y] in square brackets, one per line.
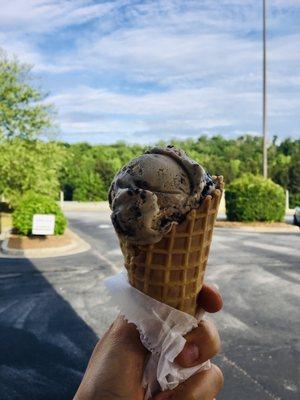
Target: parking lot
[53, 311]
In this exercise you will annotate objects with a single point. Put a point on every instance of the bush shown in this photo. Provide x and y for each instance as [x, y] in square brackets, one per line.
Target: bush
[254, 198]
[31, 203]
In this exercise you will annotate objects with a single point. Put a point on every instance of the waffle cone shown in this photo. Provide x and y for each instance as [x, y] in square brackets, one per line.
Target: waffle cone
[172, 270]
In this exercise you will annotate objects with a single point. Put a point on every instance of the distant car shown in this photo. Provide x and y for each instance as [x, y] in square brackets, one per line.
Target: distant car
[297, 216]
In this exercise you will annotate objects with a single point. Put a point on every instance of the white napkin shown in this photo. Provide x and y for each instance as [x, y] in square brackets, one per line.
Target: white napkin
[161, 330]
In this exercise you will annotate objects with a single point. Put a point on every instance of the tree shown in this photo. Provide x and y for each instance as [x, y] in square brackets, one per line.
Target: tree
[294, 172]
[23, 114]
[79, 179]
[107, 163]
[29, 165]
[279, 161]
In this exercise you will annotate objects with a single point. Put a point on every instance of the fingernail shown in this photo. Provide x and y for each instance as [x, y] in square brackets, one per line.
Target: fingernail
[191, 353]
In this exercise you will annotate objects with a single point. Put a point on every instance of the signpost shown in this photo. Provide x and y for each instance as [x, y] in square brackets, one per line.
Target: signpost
[43, 224]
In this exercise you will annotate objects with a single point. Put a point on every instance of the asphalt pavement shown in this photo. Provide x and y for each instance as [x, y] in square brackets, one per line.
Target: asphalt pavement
[53, 310]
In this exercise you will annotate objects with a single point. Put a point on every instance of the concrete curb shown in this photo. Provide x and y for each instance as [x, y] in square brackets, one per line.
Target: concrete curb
[4, 235]
[84, 206]
[78, 245]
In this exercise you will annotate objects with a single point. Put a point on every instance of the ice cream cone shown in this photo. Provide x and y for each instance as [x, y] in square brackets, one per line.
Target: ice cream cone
[172, 270]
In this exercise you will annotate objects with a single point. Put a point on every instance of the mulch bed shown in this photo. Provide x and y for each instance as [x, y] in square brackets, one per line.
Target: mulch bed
[19, 242]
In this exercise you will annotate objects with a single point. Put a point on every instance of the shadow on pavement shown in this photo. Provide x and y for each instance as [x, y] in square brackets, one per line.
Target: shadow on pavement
[44, 344]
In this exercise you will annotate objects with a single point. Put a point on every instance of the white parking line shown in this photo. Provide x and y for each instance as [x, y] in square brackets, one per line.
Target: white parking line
[104, 226]
[104, 259]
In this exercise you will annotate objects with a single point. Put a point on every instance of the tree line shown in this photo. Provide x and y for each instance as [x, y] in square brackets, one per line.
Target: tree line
[89, 170]
[84, 172]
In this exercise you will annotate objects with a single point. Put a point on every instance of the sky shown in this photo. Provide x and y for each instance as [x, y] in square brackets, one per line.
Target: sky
[141, 71]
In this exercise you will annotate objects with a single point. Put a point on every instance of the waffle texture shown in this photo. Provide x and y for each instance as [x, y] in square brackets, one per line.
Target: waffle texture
[172, 270]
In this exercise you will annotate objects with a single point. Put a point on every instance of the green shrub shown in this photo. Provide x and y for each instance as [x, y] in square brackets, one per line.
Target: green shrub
[31, 203]
[254, 198]
[294, 200]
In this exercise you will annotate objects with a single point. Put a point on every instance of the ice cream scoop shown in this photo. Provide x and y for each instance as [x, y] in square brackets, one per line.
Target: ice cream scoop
[155, 191]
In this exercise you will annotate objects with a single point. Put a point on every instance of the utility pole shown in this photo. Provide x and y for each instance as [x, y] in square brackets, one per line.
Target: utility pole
[264, 110]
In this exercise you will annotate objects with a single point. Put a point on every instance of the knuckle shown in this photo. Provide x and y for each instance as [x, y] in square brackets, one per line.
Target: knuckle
[211, 339]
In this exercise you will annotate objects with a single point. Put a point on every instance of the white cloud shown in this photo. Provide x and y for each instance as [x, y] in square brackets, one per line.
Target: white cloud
[150, 54]
[159, 67]
[42, 16]
[184, 112]
[188, 102]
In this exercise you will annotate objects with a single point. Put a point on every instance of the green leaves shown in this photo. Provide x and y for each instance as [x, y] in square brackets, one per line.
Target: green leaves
[23, 112]
[89, 170]
[78, 178]
[30, 165]
[254, 198]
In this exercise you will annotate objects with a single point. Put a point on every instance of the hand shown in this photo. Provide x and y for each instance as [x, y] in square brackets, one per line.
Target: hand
[116, 366]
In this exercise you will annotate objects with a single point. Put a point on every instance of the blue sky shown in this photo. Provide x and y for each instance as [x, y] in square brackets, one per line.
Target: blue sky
[141, 71]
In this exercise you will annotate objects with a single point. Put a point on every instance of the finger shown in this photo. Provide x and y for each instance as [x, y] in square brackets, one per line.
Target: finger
[210, 299]
[203, 386]
[202, 344]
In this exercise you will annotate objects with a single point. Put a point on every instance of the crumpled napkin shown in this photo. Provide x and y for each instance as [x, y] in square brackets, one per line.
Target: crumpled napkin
[161, 329]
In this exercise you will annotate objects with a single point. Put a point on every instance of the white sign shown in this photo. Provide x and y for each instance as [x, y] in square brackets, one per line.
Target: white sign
[43, 224]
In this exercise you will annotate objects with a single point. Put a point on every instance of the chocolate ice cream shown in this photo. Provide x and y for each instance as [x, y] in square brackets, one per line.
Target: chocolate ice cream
[154, 191]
